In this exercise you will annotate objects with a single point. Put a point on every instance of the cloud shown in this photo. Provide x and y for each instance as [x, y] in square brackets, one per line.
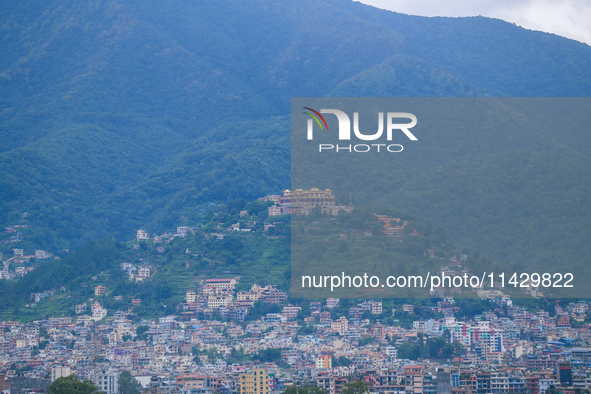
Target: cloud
[567, 18]
[570, 19]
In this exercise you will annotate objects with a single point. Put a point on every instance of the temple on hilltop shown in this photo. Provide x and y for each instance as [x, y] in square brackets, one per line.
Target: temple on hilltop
[302, 202]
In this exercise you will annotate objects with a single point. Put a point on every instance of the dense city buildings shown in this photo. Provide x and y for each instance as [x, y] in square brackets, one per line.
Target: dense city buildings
[228, 335]
[507, 349]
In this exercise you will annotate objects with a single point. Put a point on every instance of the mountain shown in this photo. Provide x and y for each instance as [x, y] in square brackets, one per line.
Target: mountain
[121, 114]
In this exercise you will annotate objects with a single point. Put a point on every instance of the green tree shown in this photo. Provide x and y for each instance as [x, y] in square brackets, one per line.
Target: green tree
[128, 384]
[268, 355]
[43, 332]
[434, 346]
[458, 349]
[342, 361]
[355, 388]
[448, 350]
[72, 385]
[141, 332]
[303, 390]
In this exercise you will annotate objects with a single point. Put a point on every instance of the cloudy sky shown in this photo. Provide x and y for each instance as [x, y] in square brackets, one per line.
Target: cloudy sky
[567, 18]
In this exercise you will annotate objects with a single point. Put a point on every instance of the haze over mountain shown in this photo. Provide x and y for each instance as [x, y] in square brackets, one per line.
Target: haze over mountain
[120, 114]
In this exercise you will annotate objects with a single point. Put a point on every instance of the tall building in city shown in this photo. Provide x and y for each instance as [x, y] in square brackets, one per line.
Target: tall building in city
[23, 385]
[255, 382]
[4, 383]
[443, 380]
[105, 380]
[564, 373]
[413, 378]
[323, 361]
[60, 372]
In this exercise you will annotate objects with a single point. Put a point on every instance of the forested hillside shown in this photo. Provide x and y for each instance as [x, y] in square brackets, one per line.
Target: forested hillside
[120, 114]
[180, 263]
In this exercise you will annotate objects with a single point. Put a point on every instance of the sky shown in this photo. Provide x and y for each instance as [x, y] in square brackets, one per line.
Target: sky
[567, 18]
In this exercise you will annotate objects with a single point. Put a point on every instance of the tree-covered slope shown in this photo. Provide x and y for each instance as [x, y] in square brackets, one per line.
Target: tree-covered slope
[501, 57]
[525, 208]
[178, 264]
[119, 114]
